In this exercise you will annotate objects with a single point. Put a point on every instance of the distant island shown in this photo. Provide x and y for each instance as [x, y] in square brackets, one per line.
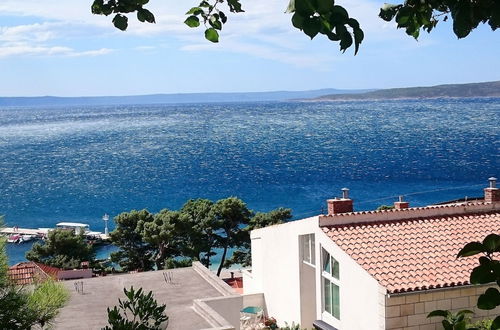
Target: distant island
[273, 96]
[485, 89]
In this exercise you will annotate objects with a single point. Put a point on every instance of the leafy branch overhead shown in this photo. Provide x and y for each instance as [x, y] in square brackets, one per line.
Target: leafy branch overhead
[325, 17]
[414, 15]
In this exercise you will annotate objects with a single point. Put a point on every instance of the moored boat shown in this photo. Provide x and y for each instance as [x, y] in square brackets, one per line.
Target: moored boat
[26, 238]
[13, 238]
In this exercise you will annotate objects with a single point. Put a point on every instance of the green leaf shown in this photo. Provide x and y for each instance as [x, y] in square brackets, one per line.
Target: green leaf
[304, 7]
[192, 21]
[462, 19]
[340, 13]
[492, 243]
[471, 249]
[460, 326]
[482, 274]
[215, 23]
[388, 11]
[324, 6]
[312, 26]
[353, 23]
[358, 38]
[298, 21]
[489, 300]
[96, 7]
[464, 312]
[223, 17]
[447, 325]
[120, 22]
[212, 35]
[439, 312]
[195, 11]
[235, 6]
[496, 323]
[345, 41]
[145, 15]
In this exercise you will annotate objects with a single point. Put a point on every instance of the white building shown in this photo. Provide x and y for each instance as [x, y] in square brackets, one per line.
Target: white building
[371, 270]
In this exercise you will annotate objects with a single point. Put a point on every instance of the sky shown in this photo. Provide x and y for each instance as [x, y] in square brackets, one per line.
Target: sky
[59, 48]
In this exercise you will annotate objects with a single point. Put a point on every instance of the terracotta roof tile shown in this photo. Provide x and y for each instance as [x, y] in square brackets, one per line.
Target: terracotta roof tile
[28, 272]
[415, 254]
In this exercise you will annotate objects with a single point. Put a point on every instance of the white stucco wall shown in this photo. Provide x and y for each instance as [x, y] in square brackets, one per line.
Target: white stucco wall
[276, 274]
[275, 267]
[362, 299]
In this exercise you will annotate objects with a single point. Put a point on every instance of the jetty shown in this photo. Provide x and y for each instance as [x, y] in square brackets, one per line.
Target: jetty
[40, 232]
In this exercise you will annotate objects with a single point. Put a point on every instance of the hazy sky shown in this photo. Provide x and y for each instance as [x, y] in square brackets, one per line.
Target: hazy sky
[55, 47]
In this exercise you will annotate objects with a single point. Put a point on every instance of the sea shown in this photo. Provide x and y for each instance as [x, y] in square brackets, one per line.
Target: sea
[78, 163]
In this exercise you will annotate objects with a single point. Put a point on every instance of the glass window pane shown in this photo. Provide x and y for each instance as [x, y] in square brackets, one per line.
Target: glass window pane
[335, 268]
[335, 301]
[313, 253]
[327, 291]
[326, 261]
[307, 248]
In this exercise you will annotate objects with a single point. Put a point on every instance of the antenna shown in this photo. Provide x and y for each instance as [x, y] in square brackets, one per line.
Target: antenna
[105, 218]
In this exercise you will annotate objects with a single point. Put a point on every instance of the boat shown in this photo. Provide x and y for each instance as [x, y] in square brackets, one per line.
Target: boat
[26, 238]
[13, 238]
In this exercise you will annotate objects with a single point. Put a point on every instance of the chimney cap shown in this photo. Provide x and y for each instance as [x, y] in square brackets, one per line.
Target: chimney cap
[345, 193]
[401, 199]
[493, 182]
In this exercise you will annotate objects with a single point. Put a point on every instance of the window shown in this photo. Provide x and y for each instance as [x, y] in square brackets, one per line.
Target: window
[307, 248]
[330, 265]
[331, 289]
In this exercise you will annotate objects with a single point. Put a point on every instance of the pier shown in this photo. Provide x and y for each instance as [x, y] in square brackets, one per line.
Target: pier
[40, 232]
[24, 231]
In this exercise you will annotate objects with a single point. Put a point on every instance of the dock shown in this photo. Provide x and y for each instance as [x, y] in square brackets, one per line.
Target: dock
[24, 231]
[40, 232]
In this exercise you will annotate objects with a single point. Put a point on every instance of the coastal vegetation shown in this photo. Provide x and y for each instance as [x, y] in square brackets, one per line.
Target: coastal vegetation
[325, 17]
[24, 308]
[62, 249]
[172, 238]
[139, 311]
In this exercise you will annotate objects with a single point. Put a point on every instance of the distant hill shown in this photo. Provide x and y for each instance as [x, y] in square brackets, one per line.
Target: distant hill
[486, 89]
[172, 98]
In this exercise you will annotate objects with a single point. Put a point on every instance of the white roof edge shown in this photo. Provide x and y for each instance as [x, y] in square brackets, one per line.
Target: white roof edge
[74, 224]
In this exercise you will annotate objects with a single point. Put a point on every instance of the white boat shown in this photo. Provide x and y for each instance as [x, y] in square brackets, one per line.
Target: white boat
[26, 238]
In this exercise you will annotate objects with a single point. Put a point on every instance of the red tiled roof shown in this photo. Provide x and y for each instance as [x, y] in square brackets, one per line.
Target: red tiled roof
[415, 254]
[236, 283]
[29, 272]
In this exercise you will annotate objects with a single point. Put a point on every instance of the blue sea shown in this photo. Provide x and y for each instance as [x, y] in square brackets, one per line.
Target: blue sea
[77, 163]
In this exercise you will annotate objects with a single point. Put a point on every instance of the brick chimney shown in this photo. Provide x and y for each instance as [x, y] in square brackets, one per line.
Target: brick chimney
[401, 204]
[492, 193]
[340, 205]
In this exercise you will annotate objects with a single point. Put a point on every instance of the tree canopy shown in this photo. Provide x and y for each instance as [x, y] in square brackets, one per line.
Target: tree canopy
[62, 248]
[173, 238]
[134, 253]
[325, 17]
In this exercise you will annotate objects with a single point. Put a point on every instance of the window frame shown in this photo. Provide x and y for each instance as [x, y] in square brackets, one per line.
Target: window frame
[310, 239]
[329, 275]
